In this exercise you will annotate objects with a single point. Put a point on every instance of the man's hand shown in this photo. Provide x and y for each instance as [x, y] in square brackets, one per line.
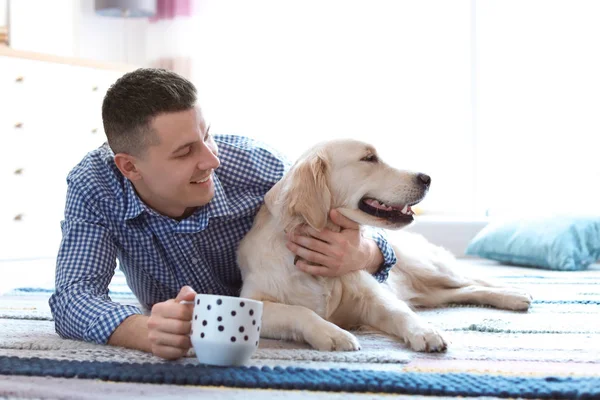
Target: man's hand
[169, 326]
[335, 253]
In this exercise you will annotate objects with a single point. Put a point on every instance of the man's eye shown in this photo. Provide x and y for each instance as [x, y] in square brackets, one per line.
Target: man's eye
[187, 153]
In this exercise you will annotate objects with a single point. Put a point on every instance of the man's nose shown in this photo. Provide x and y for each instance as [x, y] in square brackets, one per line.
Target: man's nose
[208, 159]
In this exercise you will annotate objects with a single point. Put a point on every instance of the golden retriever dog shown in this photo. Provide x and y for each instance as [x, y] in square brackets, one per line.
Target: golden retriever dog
[350, 176]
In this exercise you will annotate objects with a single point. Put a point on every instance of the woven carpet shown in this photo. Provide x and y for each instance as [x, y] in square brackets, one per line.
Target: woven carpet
[552, 351]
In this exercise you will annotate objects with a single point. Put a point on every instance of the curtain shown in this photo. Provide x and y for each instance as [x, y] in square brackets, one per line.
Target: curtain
[169, 36]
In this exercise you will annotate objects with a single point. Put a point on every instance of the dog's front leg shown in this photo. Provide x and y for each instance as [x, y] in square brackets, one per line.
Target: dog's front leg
[392, 315]
[282, 321]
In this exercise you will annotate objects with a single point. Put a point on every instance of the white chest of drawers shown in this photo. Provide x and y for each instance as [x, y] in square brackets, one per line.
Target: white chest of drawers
[50, 117]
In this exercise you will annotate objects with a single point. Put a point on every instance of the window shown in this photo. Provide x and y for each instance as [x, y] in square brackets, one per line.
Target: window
[499, 101]
[538, 106]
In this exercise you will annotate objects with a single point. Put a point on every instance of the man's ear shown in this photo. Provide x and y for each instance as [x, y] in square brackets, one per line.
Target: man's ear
[127, 165]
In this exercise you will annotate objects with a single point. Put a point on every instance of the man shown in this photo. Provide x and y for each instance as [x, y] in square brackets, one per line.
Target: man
[171, 203]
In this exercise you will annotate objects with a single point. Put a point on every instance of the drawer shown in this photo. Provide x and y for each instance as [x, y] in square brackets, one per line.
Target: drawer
[32, 206]
[30, 234]
[90, 86]
[31, 83]
[56, 96]
[31, 187]
[33, 141]
[47, 141]
[94, 80]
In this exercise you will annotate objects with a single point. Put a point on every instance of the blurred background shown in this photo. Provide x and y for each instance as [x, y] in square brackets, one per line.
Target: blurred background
[499, 101]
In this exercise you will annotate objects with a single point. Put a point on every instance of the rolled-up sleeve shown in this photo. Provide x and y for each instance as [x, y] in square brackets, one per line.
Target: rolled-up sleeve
[389, 256]
[85, 265]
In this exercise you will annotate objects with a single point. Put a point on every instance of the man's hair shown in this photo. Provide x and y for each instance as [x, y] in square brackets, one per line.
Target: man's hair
[134, 99]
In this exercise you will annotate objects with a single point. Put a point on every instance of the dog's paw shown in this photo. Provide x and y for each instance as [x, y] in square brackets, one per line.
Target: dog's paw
[333, 339]
[516, 300]
[426, 338]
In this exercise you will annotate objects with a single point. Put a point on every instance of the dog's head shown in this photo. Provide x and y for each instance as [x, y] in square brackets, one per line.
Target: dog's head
[348, 175]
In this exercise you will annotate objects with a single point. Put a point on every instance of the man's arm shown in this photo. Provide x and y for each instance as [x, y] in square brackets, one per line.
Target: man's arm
[386, 257]
[377, 259]
[80, 304]
[85, 265]
[132, 333]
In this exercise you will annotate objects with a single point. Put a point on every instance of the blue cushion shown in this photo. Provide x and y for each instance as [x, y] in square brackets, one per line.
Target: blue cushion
[559, 243]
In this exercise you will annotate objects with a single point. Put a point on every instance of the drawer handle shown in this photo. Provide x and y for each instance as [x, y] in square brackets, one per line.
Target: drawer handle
[94, 88]
[19, 125]
[19, 171]
[20, 79]
[18, 217]
[94, 130]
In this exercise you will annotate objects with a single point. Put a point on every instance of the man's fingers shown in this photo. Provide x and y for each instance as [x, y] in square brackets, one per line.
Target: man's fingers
[168, 353]
[185, 294]
[342, 221]
[169, 325]
[173, 310]
[314, 269]
[159, 338]
[308, 255]
[311, 244]
[325, 235]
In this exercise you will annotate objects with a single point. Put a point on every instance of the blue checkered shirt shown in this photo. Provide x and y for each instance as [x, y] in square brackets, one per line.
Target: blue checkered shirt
[106, 221]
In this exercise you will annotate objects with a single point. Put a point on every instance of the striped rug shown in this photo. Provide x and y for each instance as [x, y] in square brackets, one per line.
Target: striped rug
[551, 351]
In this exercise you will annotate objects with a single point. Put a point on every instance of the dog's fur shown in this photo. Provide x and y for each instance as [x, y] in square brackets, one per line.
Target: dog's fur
[298, 306]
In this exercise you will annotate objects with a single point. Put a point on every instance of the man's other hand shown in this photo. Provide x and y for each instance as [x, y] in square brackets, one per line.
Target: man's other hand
[169, 326]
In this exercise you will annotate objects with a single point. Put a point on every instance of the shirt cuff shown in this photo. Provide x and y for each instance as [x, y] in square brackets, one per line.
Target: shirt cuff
[88, 318]
[104, 326]
[389, 256]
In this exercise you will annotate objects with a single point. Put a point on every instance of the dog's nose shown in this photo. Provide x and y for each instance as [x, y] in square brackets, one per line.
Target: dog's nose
[423, 179]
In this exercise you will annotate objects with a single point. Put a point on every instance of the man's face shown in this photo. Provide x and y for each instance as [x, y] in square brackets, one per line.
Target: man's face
[176, 175]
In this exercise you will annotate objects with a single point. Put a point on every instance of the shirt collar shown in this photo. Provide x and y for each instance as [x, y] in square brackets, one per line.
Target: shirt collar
[217, 207]
[198, 221]
[133, 204]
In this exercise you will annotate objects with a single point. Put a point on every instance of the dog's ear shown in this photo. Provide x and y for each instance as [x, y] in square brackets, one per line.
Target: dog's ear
[303, 195]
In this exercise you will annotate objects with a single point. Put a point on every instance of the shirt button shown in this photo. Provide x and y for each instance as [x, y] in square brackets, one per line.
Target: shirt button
[194, 260]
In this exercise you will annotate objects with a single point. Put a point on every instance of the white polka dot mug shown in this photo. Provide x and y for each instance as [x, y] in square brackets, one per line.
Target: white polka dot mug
[225, 330]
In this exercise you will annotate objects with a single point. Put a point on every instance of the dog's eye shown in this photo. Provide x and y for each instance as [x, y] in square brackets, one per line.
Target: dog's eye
[370, 158]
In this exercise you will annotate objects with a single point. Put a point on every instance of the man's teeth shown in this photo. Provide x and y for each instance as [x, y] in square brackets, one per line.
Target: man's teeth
[203, 180]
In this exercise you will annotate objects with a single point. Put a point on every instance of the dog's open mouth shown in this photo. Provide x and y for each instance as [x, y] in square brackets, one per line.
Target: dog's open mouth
[392, 213]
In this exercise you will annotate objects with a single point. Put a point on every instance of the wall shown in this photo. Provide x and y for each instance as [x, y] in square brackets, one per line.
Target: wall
[538, 102]
[110, 39]
[3, 13]
[72, 29]
[43, 26]
[396, 73]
